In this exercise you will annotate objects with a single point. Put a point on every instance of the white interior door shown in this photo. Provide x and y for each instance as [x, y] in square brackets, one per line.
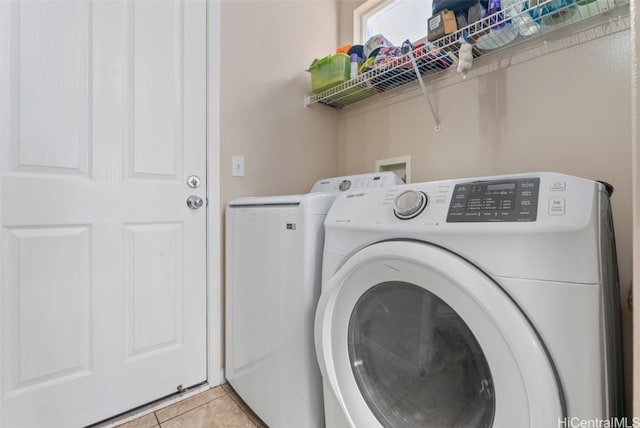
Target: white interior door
[103, 265]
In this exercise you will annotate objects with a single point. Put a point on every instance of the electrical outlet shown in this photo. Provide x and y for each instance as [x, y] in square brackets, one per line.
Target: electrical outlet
[237, 166]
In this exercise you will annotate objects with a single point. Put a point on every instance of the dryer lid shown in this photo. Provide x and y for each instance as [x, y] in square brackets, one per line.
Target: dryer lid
[258, 201]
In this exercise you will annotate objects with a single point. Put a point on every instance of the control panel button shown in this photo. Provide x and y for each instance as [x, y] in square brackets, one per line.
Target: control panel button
[556, 206]
[409, 204]
[558, 186]
[495, 200]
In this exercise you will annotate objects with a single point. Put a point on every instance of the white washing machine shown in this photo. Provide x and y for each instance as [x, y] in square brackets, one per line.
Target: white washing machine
[483, 302]
[273, 271]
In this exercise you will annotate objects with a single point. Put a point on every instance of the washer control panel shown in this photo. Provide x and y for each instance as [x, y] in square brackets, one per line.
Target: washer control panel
[495, 200]
[356, 182]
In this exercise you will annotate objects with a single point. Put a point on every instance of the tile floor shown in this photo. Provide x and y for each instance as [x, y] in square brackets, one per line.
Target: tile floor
[218, 407]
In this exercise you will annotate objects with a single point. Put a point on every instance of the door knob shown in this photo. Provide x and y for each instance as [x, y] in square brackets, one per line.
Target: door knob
[194, 202]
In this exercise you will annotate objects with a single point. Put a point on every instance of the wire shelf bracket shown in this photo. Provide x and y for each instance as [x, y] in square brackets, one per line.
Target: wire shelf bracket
[436, 120]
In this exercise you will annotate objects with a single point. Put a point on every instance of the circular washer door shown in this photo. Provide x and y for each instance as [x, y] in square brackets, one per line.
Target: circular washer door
[411, 335]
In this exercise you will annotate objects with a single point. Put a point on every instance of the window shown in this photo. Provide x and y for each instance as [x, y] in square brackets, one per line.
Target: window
[397, 20]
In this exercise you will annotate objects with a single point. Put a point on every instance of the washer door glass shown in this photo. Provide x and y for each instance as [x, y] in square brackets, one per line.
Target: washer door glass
[416, 362]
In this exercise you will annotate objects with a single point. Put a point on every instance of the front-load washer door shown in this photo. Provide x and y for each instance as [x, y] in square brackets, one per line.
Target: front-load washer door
[411, 335]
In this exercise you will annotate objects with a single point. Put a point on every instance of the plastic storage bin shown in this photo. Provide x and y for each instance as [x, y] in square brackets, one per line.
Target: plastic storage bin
[329, 72]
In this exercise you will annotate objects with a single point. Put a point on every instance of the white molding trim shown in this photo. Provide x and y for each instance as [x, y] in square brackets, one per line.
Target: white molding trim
[215, 312]
[362, 12]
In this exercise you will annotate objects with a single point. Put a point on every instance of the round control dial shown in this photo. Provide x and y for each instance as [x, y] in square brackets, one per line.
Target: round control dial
[344, 185]
[409, 204]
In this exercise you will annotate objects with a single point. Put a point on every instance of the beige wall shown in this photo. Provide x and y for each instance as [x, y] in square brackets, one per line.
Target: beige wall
[266, 46]
[566, 111]
[345, 20]
[635, 144]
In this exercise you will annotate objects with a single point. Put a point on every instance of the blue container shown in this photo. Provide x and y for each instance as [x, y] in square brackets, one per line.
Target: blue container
[551, 12]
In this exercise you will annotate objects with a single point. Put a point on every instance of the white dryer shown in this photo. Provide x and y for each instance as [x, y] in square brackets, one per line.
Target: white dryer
[273, 271]
[483, 302]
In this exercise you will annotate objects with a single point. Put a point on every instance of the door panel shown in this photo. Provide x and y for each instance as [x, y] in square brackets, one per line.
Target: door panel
[156, 49]
[154, 288]
[103, 267]
[47, 301]
[46, 67]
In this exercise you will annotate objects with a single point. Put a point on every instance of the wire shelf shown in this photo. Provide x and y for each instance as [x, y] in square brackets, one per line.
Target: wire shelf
[521, 20]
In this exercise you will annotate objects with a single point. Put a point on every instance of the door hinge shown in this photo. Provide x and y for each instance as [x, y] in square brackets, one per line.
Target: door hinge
[630, 299]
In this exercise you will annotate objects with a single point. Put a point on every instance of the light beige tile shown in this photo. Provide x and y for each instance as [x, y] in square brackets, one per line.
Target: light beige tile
[227, 387]
[252, 416]
[190, 403]
[220, 413]
[236, 398]
[146, 421]
[246, 409]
